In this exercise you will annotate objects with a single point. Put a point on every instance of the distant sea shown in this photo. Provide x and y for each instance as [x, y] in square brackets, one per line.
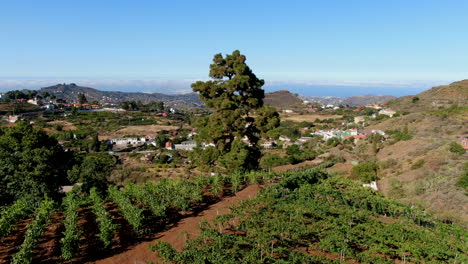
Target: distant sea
[344, 91]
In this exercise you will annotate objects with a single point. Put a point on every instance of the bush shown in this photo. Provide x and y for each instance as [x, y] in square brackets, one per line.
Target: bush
[333, 142]
[366, 172]
[93, 171]
[273, 160]
[399, 135]
[456, 148]
[418, 164]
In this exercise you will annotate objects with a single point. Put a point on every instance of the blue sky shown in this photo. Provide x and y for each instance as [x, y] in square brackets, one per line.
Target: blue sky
[165, 45]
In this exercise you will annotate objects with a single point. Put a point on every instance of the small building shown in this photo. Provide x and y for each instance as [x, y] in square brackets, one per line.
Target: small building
[374, 106]
[359, 119]
[35, 101]
[125, 141]
[304, 139]
[389, 112]
[186, 145]
[169, 145]
[269, 144]
[378, 131]
[206, 145]
[284, 138]
[48, 107]
[327, 134]
[288, 111]
[372, 185]
[12, 118]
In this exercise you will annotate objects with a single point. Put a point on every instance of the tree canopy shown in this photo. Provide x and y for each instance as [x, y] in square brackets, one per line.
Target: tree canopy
[93, 171]
[32, 164]
[82, 98]
[239, 118]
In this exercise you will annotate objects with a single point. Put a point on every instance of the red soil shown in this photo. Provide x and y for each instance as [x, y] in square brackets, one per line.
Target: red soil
[176, 236]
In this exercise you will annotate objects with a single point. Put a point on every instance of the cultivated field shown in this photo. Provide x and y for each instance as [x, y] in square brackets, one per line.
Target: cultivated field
[136, 130]
[65, 125]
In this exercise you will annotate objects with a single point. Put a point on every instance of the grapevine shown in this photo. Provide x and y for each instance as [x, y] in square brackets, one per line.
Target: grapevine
[12, 214]
[72, 234]
[106, 227]
[130, 212]
[34, 231]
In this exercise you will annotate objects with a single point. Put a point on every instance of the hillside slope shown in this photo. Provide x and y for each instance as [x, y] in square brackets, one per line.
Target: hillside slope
[351, 101]
[455, 93]
[282, 98]
[421, 169]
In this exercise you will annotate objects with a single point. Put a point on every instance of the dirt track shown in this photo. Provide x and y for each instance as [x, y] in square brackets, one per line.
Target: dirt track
[176, 236]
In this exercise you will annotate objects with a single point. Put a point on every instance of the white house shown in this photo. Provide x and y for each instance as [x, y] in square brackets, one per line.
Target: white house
[12, 118]
[206, 145]
[389, 112]
[372, 185]
[327, 134]
[49, 107]
[126, 141]
[269, 144]
[35, 101]
[304, 139]
[186, 145]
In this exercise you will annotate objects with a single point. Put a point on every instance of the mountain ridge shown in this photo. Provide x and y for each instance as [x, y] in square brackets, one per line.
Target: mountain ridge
[71, 91]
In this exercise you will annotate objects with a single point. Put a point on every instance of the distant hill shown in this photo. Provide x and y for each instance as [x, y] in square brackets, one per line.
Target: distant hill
[351, 101]
[70, 93]
[455, 93]
[285, 98]
[282, 98]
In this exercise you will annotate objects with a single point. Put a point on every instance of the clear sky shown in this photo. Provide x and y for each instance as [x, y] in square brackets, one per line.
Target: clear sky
[151, 45]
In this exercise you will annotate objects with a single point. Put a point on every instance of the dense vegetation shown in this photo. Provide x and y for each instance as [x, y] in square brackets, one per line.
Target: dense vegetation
[309, 219]
[32, 164]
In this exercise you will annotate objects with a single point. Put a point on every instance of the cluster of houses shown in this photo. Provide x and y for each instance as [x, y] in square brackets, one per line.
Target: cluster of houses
[388, 112]
[347, 134]
[150, 140]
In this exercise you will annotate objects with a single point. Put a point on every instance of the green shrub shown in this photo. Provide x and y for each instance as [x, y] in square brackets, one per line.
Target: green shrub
[456, 148]
[399, 135]
[418, 164]
[366, 171]
[272, 160]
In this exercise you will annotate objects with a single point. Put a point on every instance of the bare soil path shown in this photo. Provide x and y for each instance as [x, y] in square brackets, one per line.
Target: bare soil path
[176, 236]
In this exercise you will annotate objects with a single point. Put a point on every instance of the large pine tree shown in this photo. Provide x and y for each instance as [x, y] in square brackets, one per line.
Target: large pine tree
[239, 117]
